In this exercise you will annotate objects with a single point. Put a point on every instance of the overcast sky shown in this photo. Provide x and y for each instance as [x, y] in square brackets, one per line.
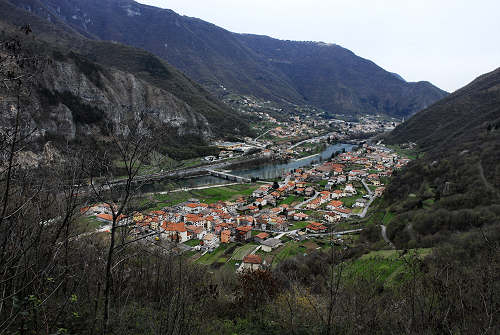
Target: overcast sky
[447, 42]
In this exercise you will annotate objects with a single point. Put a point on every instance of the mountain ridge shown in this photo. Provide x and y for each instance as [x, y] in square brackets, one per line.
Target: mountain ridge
[185, 108]
[216, 57]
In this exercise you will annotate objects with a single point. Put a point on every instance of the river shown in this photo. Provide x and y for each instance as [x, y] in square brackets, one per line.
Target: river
[265, 171]
[270, 170]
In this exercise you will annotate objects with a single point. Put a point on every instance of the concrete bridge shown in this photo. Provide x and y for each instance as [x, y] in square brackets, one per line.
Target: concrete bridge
[229, 176]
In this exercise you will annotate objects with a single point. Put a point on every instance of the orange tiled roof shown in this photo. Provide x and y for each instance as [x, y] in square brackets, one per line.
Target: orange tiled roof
[262, 235]
[252, 259]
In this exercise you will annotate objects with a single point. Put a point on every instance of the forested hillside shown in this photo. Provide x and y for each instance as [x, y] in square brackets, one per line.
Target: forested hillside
[455, 185]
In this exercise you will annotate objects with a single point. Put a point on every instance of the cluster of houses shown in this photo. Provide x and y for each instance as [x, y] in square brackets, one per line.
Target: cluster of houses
[230, 221]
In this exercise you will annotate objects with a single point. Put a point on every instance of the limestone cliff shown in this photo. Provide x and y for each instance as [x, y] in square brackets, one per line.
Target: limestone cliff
[70, 102]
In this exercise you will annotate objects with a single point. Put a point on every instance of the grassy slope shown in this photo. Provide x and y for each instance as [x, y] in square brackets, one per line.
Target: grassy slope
[385, 267]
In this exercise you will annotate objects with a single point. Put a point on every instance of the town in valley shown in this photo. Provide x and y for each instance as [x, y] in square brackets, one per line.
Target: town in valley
[313, 207]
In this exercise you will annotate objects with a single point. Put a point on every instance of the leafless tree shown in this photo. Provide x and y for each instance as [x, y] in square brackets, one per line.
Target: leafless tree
[36, 206]
[128, 147]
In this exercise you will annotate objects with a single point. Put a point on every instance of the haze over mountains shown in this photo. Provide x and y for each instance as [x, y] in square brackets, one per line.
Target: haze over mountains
[304, 73]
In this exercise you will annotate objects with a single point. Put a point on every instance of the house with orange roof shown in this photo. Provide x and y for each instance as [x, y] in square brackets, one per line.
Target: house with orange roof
[314, 204]
[158, 213]
[195, 232]
[251, 262]
[260, 201]
[211, 240]
[261, 237]
[194, 207]
[278, 223]
[84, 210]
[332, 217]
[244, 233]
[325, 196]
[337, 194]
[299, 190]
[343, 212]
[108, 218]
[253, 209]
[335, 204]
[245, 220]
[176, 232]
[316, 227]
[225, 236]
[276, 194]
[300, 216]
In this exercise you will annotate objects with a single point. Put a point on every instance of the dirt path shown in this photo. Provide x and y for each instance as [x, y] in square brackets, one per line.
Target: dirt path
[384, 235]
[485, 181]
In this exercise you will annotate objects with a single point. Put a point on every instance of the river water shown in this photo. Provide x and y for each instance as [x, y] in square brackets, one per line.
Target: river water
[264, 171]
[270, 170]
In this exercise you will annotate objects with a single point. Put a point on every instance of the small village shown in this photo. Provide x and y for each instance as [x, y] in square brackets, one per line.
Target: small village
[299, 136]
[279, 219]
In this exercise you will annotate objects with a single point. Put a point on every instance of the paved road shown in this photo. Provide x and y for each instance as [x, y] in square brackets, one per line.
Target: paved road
[368, 204]
[366, 187]
[337, 233]
[307, 201]
[196, 188]
[365, 210]
[255, 139]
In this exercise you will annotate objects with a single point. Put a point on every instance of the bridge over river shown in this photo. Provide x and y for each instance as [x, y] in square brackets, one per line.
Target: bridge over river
[228, 176]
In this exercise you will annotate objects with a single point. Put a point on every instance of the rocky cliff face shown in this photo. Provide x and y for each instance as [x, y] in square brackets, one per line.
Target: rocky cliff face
[93, 85]
[70, 102]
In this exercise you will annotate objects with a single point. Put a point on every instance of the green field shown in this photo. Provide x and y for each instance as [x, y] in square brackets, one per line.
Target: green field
[290, 249]
[211, 257]
[298, 225]
[193, 242]
[88, 223]
[208, 195]
[407, 153]
[244, 250]
[291, 199]
[422, 252]
[387, 218]
[384, 267]
[323, 183]
[349, 201]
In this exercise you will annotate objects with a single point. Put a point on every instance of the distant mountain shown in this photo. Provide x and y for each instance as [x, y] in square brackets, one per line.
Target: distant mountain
[455, 185]
[112, 80]
[326, 76]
